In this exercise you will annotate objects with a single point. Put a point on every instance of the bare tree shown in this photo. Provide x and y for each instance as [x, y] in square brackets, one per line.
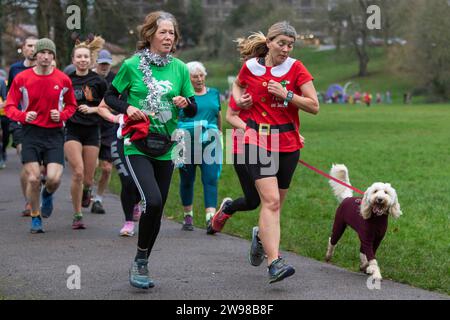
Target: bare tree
[12, 12]
[358, 33]
[43, 17]
[427, 52]
[115, 22]
[61, 33]
[336, 23]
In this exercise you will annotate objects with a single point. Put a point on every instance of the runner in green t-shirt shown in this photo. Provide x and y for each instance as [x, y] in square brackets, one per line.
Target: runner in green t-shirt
[158, 86]
[173, 80]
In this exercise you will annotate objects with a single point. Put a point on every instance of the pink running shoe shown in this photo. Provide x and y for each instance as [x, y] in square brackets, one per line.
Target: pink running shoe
[137, 212]
[127, 229]
[219, 219]
[27, 211]
[77, 223]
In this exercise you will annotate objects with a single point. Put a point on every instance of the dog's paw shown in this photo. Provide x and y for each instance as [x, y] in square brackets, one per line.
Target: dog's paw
[363, 267]
[374, 270]
[330, 251]
[377, 276]
[369, 270]
[329, 255]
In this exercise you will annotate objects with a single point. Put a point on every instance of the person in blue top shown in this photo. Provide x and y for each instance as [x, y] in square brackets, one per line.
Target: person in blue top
[203, 146]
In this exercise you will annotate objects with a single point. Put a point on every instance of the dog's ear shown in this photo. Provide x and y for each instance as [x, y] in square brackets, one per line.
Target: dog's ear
[394, 209]
[366, 213]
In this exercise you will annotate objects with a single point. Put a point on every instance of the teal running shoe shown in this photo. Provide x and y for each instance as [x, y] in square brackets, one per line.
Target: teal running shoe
[139, 277]
[278, 270]
[256, 254]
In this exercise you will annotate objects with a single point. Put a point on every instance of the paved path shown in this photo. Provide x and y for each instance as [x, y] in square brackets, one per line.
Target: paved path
[185, 265]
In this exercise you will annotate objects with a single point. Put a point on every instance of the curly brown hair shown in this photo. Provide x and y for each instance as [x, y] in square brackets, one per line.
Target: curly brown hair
[148, 29]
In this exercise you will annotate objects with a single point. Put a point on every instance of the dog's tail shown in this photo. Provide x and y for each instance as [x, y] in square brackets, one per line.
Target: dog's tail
[340, 172]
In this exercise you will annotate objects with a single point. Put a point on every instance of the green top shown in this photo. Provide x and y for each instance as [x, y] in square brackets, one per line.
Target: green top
[174, 80]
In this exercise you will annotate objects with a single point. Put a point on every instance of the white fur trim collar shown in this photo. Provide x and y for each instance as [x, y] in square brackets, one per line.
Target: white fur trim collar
[278, 71]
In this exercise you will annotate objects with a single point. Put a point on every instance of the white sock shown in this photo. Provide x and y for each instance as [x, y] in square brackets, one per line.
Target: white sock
[209, 215]
[189, 213]
[98, 198]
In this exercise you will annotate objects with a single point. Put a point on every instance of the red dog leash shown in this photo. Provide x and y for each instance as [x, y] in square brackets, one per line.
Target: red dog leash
[330, 177]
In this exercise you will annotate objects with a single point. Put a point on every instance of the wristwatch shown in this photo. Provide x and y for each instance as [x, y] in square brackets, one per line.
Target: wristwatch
[289, 97]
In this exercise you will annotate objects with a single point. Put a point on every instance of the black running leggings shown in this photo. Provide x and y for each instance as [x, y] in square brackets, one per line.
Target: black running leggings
[129, 194]
[250, 200]
[152, 178]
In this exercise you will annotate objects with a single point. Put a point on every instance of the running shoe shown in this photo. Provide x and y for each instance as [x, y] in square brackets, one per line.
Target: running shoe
[137, 212]
[27, 211]
[188, 223]
[2, 164]
[209, 228]
[127, 229]
[97, 207]
[279, 269]
[86, 199]
[256, 254]
[77, 223]
[36, 225]
[46, 204]
[220, 218]
[139, 277]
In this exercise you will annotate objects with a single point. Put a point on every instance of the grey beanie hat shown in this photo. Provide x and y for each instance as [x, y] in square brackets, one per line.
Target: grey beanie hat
[45, 44]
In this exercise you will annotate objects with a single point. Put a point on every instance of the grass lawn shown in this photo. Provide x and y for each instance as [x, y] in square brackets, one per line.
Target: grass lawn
[407, 146]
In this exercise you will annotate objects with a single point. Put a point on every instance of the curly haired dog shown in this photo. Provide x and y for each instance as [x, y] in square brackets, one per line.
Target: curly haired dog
[368, 216]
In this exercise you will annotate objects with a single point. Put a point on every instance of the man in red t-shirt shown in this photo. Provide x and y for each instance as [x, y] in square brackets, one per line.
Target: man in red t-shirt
[47, 99]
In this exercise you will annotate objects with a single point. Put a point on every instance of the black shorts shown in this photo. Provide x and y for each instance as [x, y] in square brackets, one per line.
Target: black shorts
[105, 153]
[42, 145]
[105, 147]
[261, 163]
[15, 130]
[86, 135]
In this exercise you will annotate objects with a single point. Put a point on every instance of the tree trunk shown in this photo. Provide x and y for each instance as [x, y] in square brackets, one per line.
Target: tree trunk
[338, 39]
[43, 18]
[362, 54]
[363, 63]
[359, 38]
[61, 33]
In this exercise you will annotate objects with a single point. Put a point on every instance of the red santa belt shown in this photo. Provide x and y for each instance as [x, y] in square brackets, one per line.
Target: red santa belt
[330, 177]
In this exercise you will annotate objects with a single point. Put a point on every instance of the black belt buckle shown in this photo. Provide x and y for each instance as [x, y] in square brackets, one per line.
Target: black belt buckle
[264, 129]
